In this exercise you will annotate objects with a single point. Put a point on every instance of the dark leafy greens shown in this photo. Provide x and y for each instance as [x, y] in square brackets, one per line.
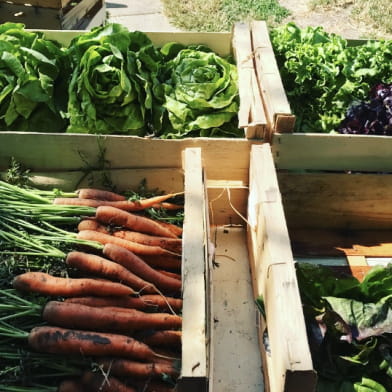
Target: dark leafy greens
[349, 327]
[31, 98]
[370, 117]
[323, 74]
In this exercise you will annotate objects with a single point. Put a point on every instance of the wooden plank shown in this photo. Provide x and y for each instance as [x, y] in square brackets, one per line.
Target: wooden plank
[337, 200]
[355, 245]
[31, 17]
[57, 4]
[276, 105]
[76, 15]
[168, 180]
[290, 364]
[251, 115]
[237, 363]
[356, 260]
[227, 203]
[194, 367]
[63, 152]
[315, 151]
[258, 118]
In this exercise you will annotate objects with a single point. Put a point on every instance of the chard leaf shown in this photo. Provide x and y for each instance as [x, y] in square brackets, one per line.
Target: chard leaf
[365, 319]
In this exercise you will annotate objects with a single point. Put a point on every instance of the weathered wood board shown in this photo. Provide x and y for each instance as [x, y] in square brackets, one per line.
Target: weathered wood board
[60, 15]
[337, 200]
[317, 151]
[289, 365]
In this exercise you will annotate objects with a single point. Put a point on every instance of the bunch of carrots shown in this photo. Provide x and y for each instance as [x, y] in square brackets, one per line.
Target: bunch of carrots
[116, 312]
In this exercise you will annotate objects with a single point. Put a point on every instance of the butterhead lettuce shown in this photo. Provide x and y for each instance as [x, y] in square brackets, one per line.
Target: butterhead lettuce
[200, 95]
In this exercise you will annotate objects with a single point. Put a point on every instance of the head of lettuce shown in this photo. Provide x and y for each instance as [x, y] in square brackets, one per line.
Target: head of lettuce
[200, 94]
[109, 92]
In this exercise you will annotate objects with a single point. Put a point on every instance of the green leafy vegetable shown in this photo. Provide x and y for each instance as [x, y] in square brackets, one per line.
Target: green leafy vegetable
[110, 87]
[200, 94]
[349, 327]
[30, 91]
[323, 74]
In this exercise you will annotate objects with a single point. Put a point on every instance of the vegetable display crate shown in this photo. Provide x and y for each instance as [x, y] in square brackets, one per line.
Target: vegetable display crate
[227, 341]
[54, 14]
[187, 177]
[137, 111]
[341, 220]
[315, 149]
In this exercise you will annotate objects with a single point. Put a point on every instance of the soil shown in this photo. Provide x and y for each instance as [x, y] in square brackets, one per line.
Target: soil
[336, 20]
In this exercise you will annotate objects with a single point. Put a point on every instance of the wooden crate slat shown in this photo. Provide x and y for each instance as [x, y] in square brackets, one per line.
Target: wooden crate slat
[337, 200]
[51, 152]
[318, 151]
[31, 17]
[277, 107]
[73, 18]
[194, 367]
[56, 4]
[290, 361]
[251, 114]
[58, 15]
[165, 179]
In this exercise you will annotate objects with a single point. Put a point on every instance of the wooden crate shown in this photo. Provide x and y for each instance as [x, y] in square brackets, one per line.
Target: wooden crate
[54, 14]
[251, 116]
[337, 218]
[238, 177]
[187, 178]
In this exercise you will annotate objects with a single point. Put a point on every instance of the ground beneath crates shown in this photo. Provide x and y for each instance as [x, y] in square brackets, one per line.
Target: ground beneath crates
[336, 20]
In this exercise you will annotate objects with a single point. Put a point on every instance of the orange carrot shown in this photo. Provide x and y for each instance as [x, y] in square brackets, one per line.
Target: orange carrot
[129, 368]
[176, 230]
[97, 265]
[148, 302]
[103, 238]
[167, 262]
[172, 244]
[56, 340]
[164, 338]
[96, 382]
[153, 386]
[168, 206]
[99, 194]
[43, 283]
[71, 385]
[171, 274]
[121, 320]
[92, 224]
[118, 217]
[135, 264]
[126, 205]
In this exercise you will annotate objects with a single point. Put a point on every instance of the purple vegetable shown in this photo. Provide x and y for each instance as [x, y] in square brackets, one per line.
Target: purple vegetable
[373, 117]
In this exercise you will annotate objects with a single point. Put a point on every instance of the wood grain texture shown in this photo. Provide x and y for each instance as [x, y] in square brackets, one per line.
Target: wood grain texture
[337, 200]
